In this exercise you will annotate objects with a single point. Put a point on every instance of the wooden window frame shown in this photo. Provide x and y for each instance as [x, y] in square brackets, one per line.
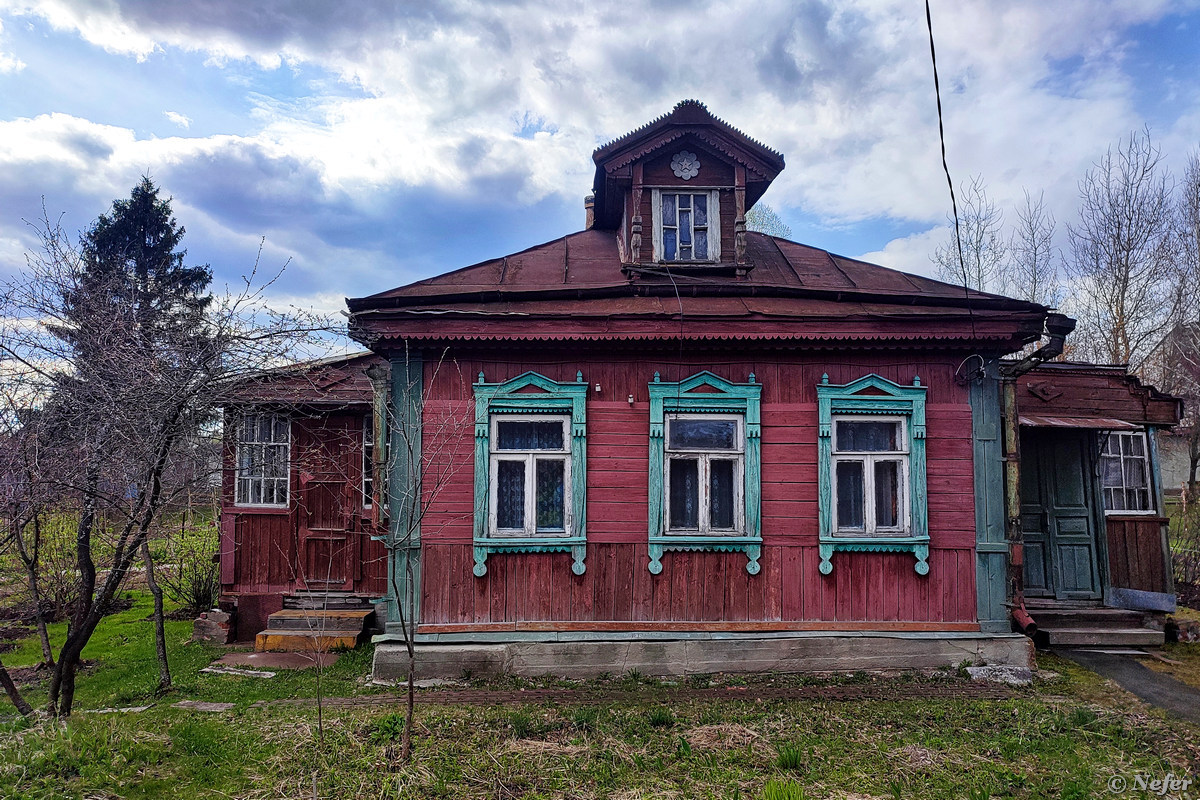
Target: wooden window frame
[239, 475]
[704, 456]
[367, 484]
[873, 397]
[869, 458]
[530, 458]
[1146, 470]
[718, 398]
[714, 222]
[533, 396]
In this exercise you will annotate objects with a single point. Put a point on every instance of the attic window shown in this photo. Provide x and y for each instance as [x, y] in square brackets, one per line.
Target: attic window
[687, 225]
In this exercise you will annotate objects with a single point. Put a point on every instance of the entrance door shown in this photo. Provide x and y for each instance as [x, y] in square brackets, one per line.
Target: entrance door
[1057, 519]
[326, 503]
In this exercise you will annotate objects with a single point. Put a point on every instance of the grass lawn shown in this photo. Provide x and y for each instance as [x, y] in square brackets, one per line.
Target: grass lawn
[1063, 738]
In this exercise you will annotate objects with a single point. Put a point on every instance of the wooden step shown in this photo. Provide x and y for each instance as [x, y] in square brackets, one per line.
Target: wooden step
[1087, 618]
[273, 641]
[297, 620]
[314, 631]
[1102, 637]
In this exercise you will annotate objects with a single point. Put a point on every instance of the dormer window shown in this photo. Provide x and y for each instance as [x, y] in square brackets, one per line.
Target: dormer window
[687, 225]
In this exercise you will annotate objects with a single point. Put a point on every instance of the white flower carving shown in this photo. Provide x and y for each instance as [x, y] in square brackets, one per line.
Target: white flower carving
[685, 165]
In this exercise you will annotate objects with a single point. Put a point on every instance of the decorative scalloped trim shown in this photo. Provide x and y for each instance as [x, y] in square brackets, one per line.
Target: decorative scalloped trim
[753, 552]
[642, 129]
[918, 549]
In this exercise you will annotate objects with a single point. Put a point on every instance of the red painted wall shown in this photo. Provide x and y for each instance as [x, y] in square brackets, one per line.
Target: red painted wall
[259, 547]
[869, 590]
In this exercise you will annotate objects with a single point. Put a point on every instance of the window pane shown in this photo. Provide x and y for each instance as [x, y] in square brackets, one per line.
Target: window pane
[1135, 473]
[701, 244]
[281, 429]
[685, 201]
[850, 494]
[510, 494]
[685, 228]
[550, 511]
[867, 436]
[701, 202]
[1136, 446]
[529, 435]
[669, 245]
[1137, 500]
[685, 253]
[887, 494]
[702, 434]
[1110, 471]
[668, 209]
[1116, 499]
[685, 493]
[720, 493]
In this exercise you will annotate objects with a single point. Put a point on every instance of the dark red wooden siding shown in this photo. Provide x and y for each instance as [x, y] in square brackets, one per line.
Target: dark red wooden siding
[864, 590]
[1135, 553]
[259, 547]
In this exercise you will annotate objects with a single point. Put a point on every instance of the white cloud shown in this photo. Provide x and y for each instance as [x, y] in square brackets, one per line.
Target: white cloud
[440, 92]
[911, 253]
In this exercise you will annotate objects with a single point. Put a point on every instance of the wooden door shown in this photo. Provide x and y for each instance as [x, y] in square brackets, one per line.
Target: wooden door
[326, 506]
[1057, 515]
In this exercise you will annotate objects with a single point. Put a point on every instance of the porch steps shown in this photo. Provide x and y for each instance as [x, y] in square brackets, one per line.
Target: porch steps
[1079, 625]
[302, 630]
[326, 601]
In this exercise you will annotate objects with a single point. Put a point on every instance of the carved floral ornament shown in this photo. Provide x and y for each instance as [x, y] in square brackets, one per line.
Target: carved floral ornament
[685, 164]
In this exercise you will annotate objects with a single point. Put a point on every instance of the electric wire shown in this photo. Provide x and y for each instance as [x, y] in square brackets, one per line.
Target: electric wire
[937, 91]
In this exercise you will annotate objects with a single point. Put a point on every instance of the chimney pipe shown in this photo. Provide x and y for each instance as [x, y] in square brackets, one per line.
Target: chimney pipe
[589, 209]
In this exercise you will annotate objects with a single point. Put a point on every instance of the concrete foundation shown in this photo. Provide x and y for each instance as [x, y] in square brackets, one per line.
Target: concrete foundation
[801, 652]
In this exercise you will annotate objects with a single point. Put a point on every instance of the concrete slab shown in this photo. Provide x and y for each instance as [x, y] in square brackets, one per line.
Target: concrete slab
[277, 660]
[1155, 688]
[197, 705]
[665, 658]
[1002, 673]
[242, 673]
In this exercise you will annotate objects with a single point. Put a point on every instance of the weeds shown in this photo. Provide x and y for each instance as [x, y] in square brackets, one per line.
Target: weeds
[792, 757]
[780, 790]
[660, 717]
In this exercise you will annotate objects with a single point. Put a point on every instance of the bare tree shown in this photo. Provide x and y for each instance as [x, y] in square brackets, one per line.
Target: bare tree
[418, 450]
[763, 219]
[1032, 272]
[974, 257]
[1121, 254]
[112, 410]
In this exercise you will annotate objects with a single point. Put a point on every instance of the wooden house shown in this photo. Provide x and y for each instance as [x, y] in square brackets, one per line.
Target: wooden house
[665, 443]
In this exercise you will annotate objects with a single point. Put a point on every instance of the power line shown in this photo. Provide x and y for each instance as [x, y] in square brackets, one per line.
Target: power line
[937, 91]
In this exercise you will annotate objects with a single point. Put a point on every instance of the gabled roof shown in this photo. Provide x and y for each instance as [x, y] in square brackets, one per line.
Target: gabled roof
[585, 263]
[334, 381]
[574, 287]
[690, 118]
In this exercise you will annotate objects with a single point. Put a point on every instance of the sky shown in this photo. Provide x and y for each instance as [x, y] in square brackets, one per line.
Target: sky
[370, 144]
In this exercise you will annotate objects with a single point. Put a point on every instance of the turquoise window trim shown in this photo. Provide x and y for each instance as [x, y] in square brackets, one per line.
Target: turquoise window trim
[744, 399]
[554, 398]
[887, 398]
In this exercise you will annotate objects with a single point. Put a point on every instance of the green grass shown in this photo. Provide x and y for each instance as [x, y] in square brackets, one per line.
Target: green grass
[122, 667]
[1061, 739]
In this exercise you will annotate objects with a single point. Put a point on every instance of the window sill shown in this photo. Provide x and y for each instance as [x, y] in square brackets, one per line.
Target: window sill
[485, 546]
[258, 509]
[750, 545]
[917, 545]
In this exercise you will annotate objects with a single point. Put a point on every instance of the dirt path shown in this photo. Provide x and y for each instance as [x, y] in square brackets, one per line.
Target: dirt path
[965, 691]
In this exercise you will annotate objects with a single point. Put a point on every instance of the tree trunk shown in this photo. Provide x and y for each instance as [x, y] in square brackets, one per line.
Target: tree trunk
[13, 693]
[29, 557]
[160, 633]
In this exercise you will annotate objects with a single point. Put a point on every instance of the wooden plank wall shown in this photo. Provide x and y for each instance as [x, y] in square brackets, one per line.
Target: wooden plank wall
[529, 590]
[1135, 554]
[263, 555]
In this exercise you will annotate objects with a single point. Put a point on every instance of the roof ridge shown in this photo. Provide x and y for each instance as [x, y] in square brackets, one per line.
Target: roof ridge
[686, 104]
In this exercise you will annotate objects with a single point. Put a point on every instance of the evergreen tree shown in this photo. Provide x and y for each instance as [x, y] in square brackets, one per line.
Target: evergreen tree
[132, 271]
